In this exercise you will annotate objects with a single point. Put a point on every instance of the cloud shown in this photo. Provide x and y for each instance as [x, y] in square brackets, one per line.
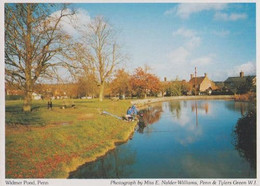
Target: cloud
[229, 17]
[222, 33]
[179, 55]
[184, 33]
[193, 42]
[185, 10]
[71, 23]
[234, 17]
[192, 39]
[248, 68]
[183, 58]
[202, 61]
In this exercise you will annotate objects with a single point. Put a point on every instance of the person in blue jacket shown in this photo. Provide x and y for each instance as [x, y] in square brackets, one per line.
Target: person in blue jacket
[134, 110]
[129, 116]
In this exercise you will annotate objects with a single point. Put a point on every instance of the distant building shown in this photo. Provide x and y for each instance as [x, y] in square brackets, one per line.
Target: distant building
[12, 90]
[202, 85]
[36, 96]
[233, 83]
[58, 91]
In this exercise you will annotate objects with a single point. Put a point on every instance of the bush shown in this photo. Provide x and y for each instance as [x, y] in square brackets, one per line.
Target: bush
[222, 92]
[250, 96]
[13, 97]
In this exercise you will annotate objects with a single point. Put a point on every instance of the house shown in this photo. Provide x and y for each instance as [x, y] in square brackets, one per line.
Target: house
[219, 84]
[233, 83]
[202, 85]
[36, 96]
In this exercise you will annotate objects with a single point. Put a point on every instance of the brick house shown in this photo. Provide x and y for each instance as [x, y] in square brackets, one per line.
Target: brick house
[202, 84]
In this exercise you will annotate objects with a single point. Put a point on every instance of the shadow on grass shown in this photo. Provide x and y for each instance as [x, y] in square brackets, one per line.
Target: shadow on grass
[23, 118]
[15, 115]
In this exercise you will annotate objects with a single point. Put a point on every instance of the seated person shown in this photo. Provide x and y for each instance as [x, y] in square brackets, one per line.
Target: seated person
[134, 111]
[129, 116]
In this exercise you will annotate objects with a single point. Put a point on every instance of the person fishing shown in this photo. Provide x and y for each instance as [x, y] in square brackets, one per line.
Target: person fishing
[130, 113]
[129, 116]
[134, 111]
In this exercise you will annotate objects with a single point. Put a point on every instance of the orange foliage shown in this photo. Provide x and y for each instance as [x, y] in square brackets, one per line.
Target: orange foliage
[152, 115]
[121, 84]
[144, 83]
[250, 96]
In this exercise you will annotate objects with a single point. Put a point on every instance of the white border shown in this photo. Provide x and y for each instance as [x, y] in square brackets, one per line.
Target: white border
[79, 182]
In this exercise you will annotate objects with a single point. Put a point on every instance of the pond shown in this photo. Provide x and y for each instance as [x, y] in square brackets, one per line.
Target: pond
[179, 139]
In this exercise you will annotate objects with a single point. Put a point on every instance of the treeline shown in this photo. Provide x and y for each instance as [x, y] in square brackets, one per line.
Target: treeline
[140, 84]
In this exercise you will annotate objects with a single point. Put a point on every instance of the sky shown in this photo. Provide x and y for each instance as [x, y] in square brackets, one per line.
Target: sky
[172, 39]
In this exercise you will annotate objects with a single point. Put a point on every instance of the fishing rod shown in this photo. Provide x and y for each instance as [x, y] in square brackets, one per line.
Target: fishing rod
[113, 115]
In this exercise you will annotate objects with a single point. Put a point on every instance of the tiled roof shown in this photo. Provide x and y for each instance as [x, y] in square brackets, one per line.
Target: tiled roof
[219, 84]
[198, 80]
[238, 79]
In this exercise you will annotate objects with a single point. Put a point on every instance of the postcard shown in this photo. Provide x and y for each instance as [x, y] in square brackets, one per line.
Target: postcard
[129, 93]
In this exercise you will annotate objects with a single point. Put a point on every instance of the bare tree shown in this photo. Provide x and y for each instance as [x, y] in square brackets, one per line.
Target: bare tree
[101, 53]
[32, 39]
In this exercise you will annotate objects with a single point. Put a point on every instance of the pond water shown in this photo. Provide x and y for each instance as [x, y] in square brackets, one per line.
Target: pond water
[178, 139]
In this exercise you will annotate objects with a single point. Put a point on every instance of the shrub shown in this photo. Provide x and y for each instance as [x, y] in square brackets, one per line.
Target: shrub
[13, 97]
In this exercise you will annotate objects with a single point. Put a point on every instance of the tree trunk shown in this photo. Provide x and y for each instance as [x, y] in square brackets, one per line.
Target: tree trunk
[123, 96]
[28, 62]
[27, 101]
[101, 92]
[28, 92]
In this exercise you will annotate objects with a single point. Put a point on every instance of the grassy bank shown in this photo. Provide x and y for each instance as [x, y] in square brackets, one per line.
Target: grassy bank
[51, 143]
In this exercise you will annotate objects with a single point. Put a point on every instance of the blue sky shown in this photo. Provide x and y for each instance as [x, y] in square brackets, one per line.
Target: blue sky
[219, 39]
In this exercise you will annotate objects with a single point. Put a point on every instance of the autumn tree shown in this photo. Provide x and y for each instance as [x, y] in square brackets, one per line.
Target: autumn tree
[32, 40]
[100, 51]
[177, 88]
[120, 85]
[86, 86]
[144, 83]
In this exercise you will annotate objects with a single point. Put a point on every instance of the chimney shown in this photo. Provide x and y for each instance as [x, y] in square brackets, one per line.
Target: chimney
[241, 74]
[206, 75]
[191, 76]
[165, 79]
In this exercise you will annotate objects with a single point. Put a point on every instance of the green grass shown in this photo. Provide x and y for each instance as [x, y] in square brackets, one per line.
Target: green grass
[51, 143]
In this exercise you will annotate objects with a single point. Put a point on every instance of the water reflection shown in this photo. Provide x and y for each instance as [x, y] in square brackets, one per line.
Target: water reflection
[141, 124]
[152, 114]
[148, 116]
[241, 107]
[113, 166]
[183, 139]
[202, 106]
[245, 136]
[175, 109]
[195, 107]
